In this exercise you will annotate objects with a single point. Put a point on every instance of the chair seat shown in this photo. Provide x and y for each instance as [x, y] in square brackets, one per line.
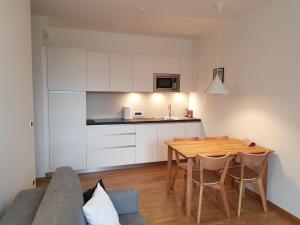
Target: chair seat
[209, 177]
[235, 173]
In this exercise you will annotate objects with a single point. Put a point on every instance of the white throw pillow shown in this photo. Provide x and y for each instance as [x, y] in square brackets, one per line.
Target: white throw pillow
[99, 210]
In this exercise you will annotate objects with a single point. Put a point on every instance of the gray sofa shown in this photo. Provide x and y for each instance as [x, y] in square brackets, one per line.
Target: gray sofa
[61, 204]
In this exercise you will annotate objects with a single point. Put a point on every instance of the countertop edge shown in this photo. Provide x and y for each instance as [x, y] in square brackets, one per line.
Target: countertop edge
[143, 122]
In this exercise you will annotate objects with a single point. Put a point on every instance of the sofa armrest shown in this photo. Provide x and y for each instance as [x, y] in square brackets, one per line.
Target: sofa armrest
[125, 201]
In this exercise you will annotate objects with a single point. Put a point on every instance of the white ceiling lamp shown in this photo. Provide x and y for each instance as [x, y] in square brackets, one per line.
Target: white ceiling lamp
[217, 86]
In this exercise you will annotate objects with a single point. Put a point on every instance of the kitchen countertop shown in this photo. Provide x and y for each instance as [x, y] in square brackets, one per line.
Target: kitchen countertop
[91, 122]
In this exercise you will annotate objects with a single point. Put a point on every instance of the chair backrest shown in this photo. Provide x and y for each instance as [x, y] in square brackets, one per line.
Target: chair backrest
[254, 161]
[187, 139]
[216, 138]
[184, 139]
[215, 164]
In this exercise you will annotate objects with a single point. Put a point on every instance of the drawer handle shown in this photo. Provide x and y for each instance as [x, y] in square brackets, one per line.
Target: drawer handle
[105, 148]
[116, 134]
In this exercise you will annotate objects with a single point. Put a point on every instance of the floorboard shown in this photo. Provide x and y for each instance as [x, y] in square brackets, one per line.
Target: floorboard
[159, 208]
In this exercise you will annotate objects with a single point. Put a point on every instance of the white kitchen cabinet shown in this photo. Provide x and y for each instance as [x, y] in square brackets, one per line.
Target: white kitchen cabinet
[66, 69]
[67, 129]
[110, 145]
[97, 67]
[166, 64]
[111, 157]
[146, 143]
[142, 73]
[166, 132]
[187, 74]
[120, 72]
[193, 129]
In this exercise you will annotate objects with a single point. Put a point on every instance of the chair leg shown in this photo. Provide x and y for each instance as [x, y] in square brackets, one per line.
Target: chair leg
[184, 190]
[262, 194]
[240, 197]
[225, 200]
[200, 203]
[174, 177]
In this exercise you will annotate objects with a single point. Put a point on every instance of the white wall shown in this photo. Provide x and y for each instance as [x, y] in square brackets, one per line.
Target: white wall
[16, 138]
[40, 94]
[260, 53]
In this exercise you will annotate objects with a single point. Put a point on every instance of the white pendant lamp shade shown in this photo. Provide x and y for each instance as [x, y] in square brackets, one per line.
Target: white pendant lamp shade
[217, 87]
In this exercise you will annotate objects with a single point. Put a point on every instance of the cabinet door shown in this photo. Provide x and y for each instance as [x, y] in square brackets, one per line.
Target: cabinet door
[120, 72]
[146, 143]
[193, 129]
[142, 73]
[66, 69]
[67, 129]
[166, 132]
[186, 75]
[164, 64]
[97, 66]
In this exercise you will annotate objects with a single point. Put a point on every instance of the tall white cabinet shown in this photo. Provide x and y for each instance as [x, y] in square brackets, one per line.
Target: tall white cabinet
[67, 129]
[66, 69]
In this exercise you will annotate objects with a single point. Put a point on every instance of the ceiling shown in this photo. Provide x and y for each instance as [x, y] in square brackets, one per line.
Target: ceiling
[173, 18]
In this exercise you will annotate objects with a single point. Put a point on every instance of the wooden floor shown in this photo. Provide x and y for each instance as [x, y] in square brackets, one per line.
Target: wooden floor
[162, 209]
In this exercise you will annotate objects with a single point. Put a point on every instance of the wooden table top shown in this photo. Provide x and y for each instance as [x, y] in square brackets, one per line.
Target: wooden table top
[189, 149]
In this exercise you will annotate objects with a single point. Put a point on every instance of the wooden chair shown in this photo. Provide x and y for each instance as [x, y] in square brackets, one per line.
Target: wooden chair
[252, 170]
[179, 163]
[209, 176]
[217, 138]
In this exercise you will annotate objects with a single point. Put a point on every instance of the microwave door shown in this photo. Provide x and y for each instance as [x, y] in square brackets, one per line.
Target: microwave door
[164, 83]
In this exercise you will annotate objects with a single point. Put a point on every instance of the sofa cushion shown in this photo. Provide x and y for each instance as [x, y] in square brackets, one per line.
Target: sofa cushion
[89, 193]
[23, 208]
[99, 210]
[132, 219]
[125, 201]
[63, 201]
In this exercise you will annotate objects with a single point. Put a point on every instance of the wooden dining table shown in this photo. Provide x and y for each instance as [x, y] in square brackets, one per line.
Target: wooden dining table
[190, 149]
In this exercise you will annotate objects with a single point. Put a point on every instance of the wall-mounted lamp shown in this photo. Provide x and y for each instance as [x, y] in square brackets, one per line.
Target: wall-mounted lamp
[217, 87]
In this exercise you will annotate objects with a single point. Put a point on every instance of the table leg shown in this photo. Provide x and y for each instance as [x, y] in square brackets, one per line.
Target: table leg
[189, 188]
[265, 179]
[169, 170]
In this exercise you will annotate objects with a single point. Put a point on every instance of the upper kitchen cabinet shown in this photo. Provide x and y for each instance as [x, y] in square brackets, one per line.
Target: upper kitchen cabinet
[97, 67]
[120, 72]
[142, 73]
[165, 64]
[187, 74]
[66, 69]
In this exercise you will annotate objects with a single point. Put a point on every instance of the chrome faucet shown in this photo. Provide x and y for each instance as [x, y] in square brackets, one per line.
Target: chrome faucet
[170, 110]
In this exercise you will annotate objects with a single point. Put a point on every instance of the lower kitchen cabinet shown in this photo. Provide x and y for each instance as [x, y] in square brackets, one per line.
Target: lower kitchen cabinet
[110, 145]
[111, 157]
[167, 132]
[146, 143]
[193, 130]
[117, 145]
[67, 129]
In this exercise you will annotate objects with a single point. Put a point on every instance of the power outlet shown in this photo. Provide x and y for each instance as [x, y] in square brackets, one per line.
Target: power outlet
[138, 114]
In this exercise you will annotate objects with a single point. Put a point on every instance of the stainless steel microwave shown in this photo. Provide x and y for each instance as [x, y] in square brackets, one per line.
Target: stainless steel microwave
[164, 82]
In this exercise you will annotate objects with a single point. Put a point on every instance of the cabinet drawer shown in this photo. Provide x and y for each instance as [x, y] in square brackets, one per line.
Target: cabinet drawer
[110, 130]
[111, 157]
[110, 141]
